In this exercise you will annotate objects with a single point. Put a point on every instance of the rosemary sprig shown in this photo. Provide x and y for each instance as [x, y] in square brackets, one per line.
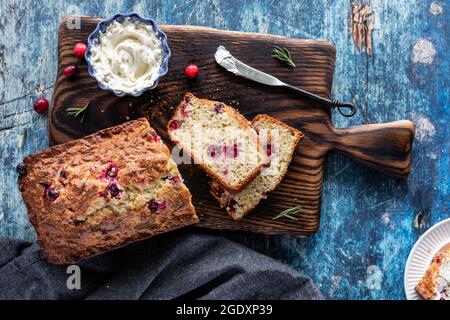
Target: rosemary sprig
[75, 112]
[283, 55]
[289, 213]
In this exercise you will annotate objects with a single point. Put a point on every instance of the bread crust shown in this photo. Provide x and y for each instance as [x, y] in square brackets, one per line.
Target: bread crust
[142, 160]
[226, 197]
[244, 123]
[427, 287]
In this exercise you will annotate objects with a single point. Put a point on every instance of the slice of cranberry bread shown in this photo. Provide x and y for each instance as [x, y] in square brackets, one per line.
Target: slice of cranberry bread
[435, 284]
[104, 191]
[279, 142]
[218, 139]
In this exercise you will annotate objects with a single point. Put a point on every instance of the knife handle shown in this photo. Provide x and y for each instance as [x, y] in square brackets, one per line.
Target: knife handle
[347, 109]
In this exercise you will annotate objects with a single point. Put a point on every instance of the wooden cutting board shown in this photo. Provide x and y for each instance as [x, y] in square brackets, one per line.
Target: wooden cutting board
[386, 147]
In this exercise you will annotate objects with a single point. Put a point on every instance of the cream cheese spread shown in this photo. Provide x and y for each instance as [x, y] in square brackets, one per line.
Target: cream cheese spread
[225, 59]
[128, 56]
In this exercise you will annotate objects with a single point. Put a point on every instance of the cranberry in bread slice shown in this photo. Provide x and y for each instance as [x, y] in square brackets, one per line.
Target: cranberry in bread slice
[279, 142]
[218, 139]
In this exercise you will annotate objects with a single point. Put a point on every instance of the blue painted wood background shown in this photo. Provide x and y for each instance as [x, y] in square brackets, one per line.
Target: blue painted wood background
[369, 221]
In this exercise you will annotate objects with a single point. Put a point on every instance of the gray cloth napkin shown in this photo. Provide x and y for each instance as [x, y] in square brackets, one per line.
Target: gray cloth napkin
[178, 265]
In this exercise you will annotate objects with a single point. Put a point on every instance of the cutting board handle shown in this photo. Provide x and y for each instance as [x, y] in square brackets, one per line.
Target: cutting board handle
[385, 146]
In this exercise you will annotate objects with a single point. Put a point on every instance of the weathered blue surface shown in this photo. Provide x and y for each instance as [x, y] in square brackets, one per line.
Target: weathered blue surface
[369, 221]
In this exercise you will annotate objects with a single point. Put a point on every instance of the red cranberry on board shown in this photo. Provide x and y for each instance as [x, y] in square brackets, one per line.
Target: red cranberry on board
[191, 71]
[79, 49]
[174, 125]
[41, 105]
[70, 71]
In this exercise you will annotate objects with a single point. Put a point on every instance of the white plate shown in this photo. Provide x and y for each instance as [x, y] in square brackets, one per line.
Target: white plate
[421, 255]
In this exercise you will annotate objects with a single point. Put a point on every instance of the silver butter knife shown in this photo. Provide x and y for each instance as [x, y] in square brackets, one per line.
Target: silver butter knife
[225, 59]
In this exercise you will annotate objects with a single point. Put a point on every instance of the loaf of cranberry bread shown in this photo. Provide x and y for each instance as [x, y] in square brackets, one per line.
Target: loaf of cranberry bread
[279, 141]
[218, 139]
[104, 191]
[435, 284]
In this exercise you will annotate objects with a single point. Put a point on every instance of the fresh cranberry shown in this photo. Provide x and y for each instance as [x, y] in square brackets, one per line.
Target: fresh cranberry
[191, 71]
[174, 125]
[51, 193]
[269, 149]
[41, 105]
[218, 191]
[218, 107]
[155, 206]
[79, 49]
[70, 71]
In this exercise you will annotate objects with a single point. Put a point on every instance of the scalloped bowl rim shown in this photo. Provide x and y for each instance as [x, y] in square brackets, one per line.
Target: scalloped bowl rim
[95, 35]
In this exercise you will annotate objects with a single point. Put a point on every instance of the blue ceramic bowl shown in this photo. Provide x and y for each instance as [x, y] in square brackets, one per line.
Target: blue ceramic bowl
[94, 39]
